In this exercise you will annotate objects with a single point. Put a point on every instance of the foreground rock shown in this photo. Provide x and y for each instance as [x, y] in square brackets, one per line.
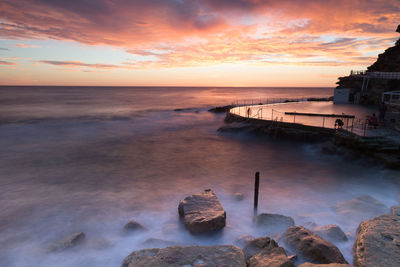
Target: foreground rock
[378, 242]
[187, 256]
[202, 212]
[134, 226]
[360, 208]
[264, 251]
[307, 264]
[311, 246]
[274, 223]
[69, 242]
[243, 240]
[331, 232]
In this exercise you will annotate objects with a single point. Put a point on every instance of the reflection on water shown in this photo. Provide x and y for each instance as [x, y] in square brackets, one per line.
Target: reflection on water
[93, 174]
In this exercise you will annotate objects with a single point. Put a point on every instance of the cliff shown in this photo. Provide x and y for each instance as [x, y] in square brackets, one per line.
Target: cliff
[389, 61]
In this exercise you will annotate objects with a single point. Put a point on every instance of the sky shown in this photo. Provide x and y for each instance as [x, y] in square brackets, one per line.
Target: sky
[191, 42]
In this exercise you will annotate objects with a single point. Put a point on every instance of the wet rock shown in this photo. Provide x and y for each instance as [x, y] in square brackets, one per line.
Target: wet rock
[187, 256]
[238, 196]
[331, 232]
[378, 242]
[221, 109]
[243, 240]
[293, 257]
[274, 223]
[360, 208]
[311, 246]
[69, 242]
[307, 264]
[310, 225]
[264, 251]
[395, 211]
[157, 243]
[202, 212]
[134, 226]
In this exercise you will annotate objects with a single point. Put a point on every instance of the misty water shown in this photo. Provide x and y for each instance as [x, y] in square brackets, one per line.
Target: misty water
[90, 159]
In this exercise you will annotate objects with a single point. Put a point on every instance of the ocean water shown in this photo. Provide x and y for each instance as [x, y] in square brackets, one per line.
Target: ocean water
[92, 158]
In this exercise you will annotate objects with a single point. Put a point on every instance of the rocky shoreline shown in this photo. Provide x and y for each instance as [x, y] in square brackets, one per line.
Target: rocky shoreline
[285, 244]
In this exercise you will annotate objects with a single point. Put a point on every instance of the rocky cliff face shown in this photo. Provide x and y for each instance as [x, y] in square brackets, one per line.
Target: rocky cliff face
[389, 61]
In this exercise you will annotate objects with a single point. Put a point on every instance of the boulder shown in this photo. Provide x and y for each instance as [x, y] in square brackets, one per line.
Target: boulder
[395, 211]
[187, 256]
[378, 242]
[274, 223]
[133, 226]
[202, 212]
[307, 264]
[264, 251]
[243, 240]
[331, 232]
[360, 208]
[311, 246]
[69, 241]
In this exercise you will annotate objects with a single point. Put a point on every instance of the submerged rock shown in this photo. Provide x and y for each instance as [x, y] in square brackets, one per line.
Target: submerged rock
[187, 256]
[274, 223]
[331, 232]
[243, 240]
[133, 226]
[264, 251]
[311, 246]
[238, 196]
[378, 242]
[69, 241]
[360, 208]
[395, 211]
[202, 212]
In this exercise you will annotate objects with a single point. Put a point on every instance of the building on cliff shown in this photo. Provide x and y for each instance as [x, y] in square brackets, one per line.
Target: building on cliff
[367, 87]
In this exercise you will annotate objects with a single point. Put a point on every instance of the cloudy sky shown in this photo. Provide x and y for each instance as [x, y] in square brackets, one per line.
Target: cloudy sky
[192, 42]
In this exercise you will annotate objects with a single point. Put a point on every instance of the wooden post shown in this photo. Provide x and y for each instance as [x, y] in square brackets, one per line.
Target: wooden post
[323, 122]
[256, 187]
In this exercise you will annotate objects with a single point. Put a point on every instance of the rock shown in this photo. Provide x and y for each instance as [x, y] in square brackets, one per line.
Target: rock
[243, 240]
[274, 223]
[398, 29]
[378, 242]
[307, 264]
[312, 246]
[133, 226]
[69, 242]
[274, 258]
[331, 232]
[264, 251]
[187, 256]
[157, 243]
[360, 208]
[310, 225]
[202, 212]
[221, 109]
[238, 196]
[395, 211]
[293, 257]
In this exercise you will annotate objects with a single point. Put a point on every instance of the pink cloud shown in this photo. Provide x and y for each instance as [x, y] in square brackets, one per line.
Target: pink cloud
[25, 46]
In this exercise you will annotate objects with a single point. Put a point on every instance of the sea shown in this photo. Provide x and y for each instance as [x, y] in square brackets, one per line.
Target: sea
[89, 159]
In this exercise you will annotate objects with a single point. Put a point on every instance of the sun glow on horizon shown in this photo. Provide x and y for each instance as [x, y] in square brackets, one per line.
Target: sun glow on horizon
[191, 43]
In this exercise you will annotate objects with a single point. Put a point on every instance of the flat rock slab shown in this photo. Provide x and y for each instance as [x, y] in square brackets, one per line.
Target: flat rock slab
[311, 246]
[273, 223]
[202, 212]
[360, 208]
[378, 242]
[187, 256]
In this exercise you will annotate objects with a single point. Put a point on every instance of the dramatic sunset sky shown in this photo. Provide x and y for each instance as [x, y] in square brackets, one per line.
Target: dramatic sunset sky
[191, 42]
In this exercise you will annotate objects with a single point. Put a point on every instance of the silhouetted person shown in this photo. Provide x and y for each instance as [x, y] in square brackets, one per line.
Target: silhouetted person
[373, 120]
[248, 113]
[338, 123]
